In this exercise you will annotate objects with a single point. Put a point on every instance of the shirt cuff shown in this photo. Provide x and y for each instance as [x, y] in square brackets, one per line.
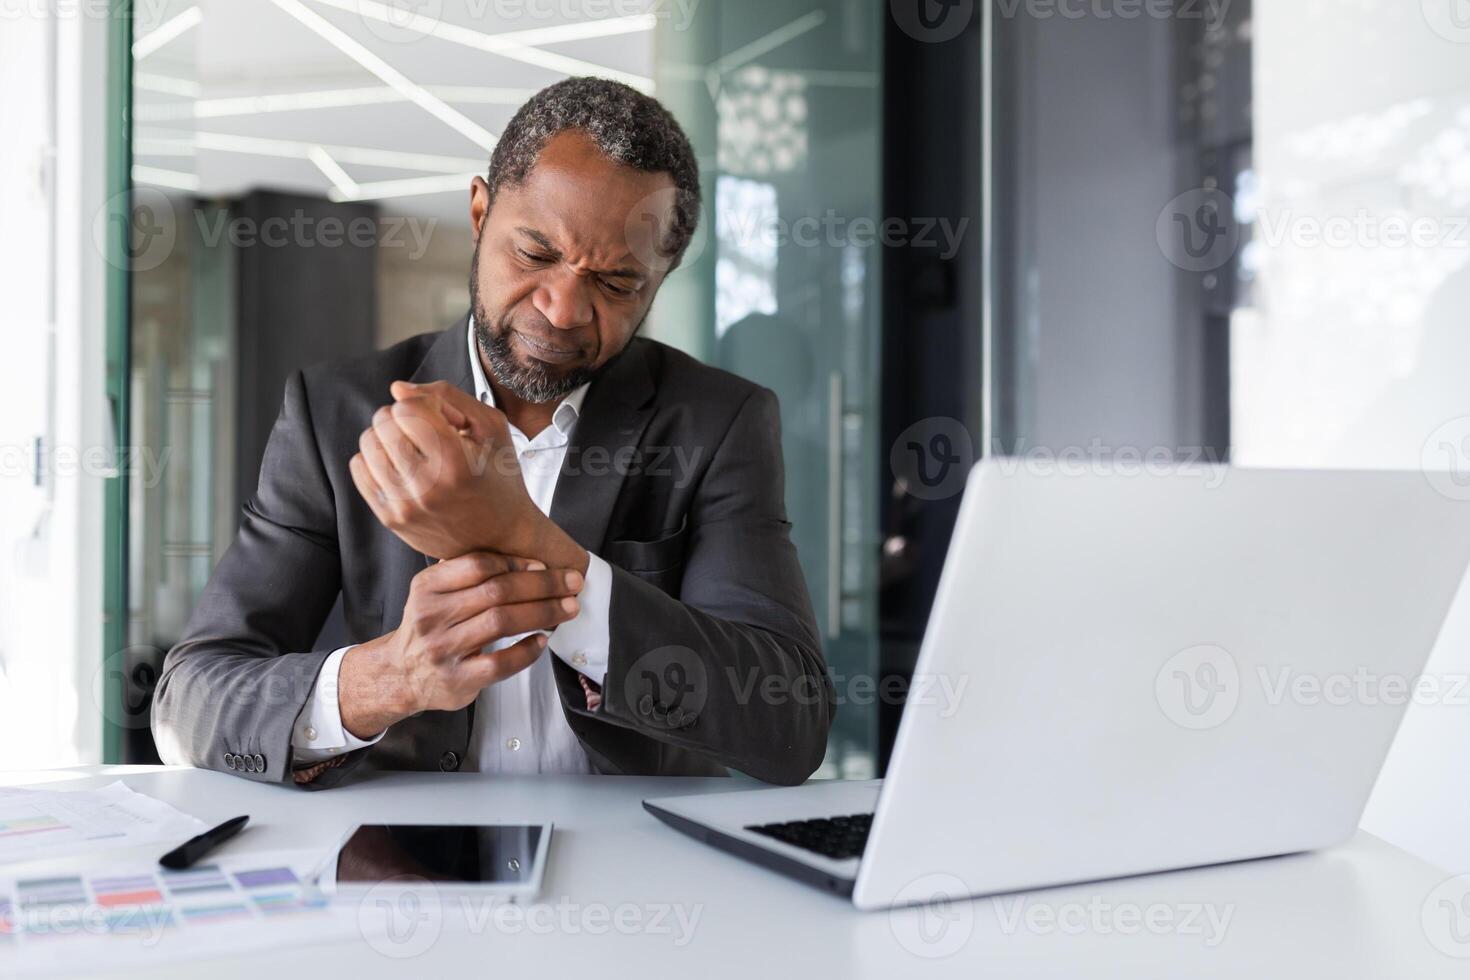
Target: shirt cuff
[582, 642]
[319, 735]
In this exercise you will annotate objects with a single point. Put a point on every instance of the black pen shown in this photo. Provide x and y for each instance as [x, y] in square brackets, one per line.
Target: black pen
[195, 848]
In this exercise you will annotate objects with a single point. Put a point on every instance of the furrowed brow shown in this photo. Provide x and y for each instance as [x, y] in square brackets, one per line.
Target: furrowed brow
[541, 240]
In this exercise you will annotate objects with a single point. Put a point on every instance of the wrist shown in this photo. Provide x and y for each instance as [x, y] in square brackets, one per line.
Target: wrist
[371, 692]
[543, 539]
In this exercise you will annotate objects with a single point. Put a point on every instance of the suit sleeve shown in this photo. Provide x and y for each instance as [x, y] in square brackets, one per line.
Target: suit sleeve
[733, 667]
[232, 688]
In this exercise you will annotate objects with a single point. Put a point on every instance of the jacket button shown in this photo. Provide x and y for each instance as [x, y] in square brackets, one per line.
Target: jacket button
[645, 704]
[676, 718]
[449, 762]
[259, 761]
[229, 760]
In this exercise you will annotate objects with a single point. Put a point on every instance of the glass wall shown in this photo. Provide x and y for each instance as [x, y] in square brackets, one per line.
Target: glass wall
[784, 106]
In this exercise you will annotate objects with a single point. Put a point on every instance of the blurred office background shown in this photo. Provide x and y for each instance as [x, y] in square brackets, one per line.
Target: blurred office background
[1111, 229]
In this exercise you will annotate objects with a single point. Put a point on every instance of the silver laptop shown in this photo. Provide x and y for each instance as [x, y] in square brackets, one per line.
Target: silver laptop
[1143, 672]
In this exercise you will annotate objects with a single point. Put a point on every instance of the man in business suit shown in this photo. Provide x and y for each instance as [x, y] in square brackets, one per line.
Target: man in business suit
[559, 547]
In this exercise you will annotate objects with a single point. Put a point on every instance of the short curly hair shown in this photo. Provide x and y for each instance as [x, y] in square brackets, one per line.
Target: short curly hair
[630, 128]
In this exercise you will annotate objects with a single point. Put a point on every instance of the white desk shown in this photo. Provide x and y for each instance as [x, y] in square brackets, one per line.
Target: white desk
[1356, 911]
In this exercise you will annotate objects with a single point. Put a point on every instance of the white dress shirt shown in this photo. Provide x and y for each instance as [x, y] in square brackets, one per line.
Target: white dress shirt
[519, 726]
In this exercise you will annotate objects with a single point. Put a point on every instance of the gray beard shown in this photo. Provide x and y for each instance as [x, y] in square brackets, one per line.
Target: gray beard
[530, 383]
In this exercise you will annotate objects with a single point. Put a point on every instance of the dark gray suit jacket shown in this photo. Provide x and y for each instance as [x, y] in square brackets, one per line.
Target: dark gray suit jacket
[673, 476]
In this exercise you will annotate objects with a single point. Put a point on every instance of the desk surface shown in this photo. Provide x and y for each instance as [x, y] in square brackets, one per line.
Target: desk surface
[1365, 909]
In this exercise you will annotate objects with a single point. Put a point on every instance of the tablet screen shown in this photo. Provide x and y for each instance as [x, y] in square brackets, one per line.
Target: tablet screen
[470, 854]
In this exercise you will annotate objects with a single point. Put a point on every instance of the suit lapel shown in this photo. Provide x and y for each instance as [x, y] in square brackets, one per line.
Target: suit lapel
[449, 358]
[614, 415]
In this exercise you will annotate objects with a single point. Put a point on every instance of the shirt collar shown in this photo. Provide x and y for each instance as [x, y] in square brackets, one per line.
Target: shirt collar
[566, 413]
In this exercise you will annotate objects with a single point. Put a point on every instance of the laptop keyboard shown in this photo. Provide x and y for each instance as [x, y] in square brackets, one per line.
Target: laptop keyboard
[833, 837]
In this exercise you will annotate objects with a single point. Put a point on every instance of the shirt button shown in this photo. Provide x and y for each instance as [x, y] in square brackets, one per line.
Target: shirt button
[579, 660]
[530, 454]
[310, 734]
[513, 744]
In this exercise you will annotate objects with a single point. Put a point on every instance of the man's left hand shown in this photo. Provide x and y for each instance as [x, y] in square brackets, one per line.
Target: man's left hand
[439, 469]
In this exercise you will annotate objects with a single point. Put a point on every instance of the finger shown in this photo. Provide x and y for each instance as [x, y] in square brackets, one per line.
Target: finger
[386, 476]
[513, 587]
[452, 413]
[469, 570]
[362, 478]
[483, 669]
[405, 455]
[490, 625]
[462, 410]
[423, 425]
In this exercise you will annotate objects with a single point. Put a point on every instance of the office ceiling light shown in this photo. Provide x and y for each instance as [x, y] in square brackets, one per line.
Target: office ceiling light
[769, 42]
[188, 145]
[389, 75]
[166, 84]
[160, 177]
[252, 105]
[515, 45]
[409, 187]
[167, 31]
[341, 182]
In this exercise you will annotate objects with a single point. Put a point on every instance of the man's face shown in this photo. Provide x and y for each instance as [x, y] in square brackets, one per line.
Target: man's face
[557, 287]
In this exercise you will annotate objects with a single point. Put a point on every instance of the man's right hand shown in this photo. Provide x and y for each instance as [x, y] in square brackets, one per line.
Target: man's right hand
[434, 660]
